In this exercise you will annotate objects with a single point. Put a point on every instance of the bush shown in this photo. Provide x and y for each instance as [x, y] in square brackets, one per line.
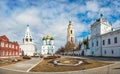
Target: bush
[26, 57]
[15, 60]
[52, 57]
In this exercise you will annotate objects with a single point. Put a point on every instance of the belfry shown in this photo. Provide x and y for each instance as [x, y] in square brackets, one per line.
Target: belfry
[70, 33]
[28, 47]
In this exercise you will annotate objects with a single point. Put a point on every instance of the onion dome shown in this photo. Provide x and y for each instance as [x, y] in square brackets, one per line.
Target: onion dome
[52, 38]
[44, 38]
[27, 25]
[48, 37]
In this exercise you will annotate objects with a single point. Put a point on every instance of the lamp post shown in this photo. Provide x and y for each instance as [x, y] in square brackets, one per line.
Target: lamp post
[73, 50]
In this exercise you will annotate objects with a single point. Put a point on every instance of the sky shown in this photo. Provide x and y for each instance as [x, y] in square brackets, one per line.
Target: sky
[52, 17]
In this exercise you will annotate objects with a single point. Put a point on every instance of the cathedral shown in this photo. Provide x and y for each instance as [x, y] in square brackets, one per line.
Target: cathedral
[104, 40]
[28, 47]
[48, 47]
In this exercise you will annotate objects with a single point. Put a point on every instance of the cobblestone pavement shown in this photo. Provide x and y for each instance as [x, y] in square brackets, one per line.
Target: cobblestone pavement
[110, 69]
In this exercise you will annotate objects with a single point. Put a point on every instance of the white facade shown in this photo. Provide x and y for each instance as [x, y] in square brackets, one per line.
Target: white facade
[111, 44]
[102, 30]
[48, 45]
[28, 47]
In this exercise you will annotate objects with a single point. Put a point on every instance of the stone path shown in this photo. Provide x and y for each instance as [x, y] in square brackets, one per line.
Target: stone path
[24, 65]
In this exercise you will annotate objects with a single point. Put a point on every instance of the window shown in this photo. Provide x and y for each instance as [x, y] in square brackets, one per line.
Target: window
[103, 42]
[109, 42]
[12, 46]
[97, 43]
[6, 45]
[7, 53]
[115, 40]
[16, 47]
[92, 52]
[71, 39]
[92, 44]
[30, 40]
[16, 53]
[2, 53]
[9, 45]
[2, 44]
[105, 51]
[112, 51]
[71, 31]
[27, 39]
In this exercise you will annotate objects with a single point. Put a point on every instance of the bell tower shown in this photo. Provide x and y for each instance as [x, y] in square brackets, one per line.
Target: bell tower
[28, 37]
[70, 33]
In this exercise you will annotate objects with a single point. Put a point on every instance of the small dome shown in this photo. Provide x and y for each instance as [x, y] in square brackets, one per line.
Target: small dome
[52, 38]
[27, 25]
[44, 38]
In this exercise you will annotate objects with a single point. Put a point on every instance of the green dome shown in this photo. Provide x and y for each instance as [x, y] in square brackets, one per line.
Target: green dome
[44, 38]
[52, 38]
[27, 25]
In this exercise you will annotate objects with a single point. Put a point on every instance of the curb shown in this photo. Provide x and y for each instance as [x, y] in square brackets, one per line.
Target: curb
[34, 65]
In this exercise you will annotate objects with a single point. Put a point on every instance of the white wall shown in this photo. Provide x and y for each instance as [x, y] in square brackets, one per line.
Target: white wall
[28, 49]
[115, 47]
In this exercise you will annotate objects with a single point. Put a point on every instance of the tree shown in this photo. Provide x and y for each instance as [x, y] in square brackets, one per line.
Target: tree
[86, 42]
[61, 50]
[79, 46]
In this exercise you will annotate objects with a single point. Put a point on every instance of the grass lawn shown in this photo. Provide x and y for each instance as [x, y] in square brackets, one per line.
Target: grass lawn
[48, 66]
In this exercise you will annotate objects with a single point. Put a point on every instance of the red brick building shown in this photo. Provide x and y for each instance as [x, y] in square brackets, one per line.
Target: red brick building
[8, 48]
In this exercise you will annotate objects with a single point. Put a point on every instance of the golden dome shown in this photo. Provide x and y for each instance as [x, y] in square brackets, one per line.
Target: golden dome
[48, 37]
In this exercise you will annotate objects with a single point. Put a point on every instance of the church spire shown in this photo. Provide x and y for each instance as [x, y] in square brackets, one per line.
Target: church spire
[101, 13]
[28, 37]
[28, 33]
[70, 21]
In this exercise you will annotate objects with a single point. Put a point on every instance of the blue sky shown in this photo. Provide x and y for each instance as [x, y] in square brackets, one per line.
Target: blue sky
[52, 17]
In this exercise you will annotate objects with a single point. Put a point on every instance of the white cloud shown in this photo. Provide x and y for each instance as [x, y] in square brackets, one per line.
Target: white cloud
[47, 18]
[116, 24]
[92, 6]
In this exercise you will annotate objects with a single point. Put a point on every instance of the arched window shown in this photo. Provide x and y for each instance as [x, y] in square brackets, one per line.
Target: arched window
[105, 51]
[71, 39]
[92, 52]
[97, 43]
[92, 44]
[27, 39]
[71, 31]
[112, 51]
[23, 40]
[30, 40]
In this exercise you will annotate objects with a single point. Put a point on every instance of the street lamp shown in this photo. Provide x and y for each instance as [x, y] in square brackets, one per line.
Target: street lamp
[73, 50]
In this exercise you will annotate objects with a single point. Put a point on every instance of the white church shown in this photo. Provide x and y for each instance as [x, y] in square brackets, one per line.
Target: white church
[48, 47]
[104, 40]
[28, 47]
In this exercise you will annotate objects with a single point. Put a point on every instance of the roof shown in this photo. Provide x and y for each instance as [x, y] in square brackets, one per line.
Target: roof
[4, 38]
[111, 32]
[48, 37]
